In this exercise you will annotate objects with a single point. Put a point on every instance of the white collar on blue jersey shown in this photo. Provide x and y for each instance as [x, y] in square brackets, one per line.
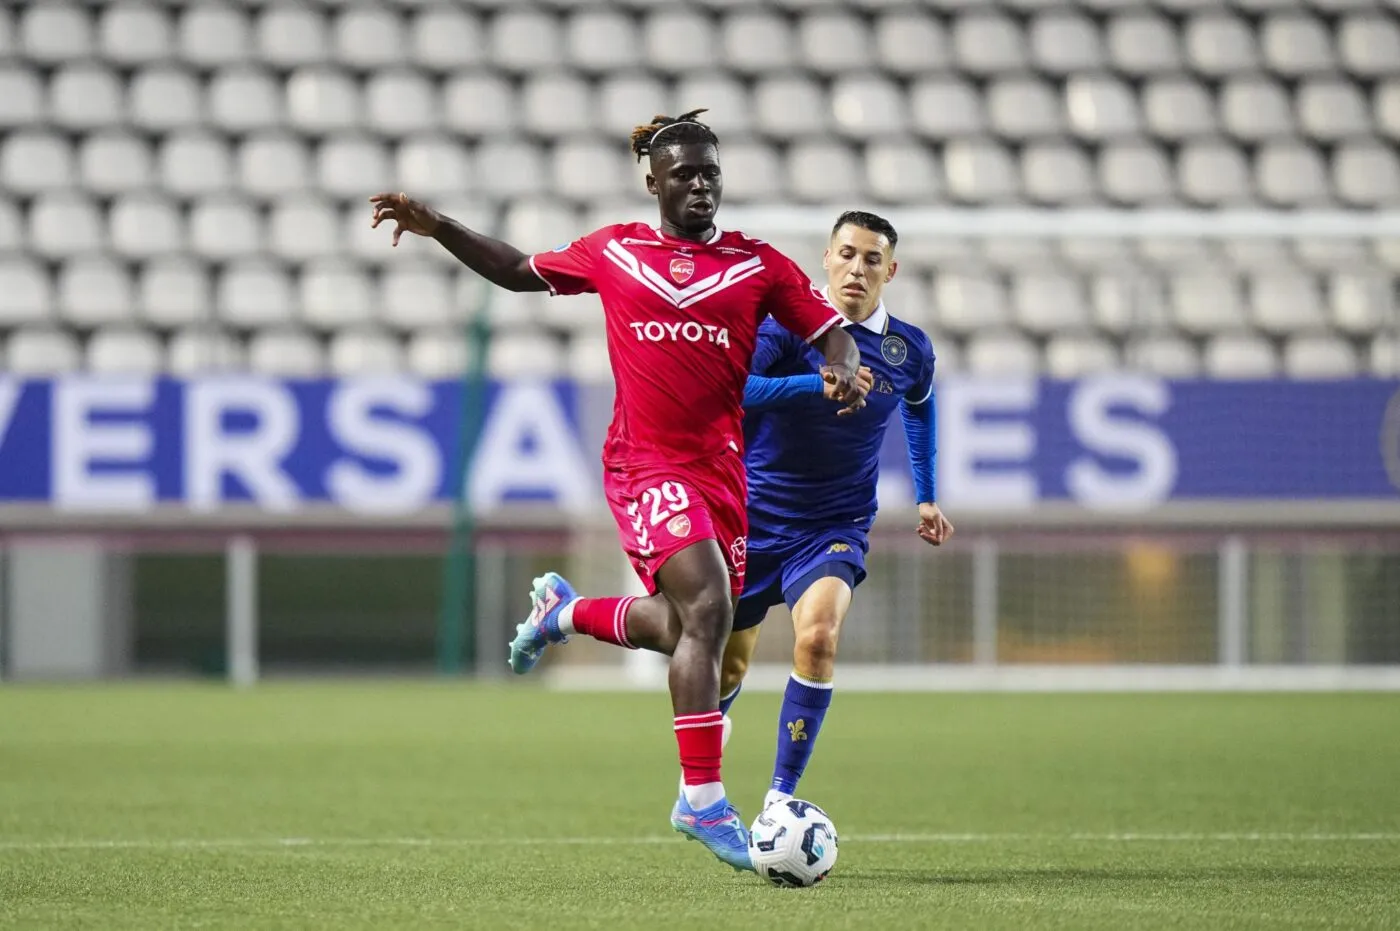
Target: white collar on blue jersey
[877, 322]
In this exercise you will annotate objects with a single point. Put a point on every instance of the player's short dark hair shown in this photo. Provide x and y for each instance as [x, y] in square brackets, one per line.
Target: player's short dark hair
[867, 221]
[679, 130]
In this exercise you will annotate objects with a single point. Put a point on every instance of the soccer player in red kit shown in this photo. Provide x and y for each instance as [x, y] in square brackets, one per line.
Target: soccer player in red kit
[683, 301]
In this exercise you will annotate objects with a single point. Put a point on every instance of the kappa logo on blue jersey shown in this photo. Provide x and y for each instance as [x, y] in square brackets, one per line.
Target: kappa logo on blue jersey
[894, 350]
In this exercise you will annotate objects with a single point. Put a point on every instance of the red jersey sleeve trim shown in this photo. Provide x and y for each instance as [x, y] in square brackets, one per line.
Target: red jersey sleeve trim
[816, 334]
[540, 275]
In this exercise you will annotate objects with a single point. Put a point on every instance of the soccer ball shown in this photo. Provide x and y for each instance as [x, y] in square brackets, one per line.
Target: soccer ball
[793, 843]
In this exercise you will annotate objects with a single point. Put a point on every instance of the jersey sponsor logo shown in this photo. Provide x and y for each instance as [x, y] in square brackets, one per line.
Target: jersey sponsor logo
[883, 385]
[682, 269]
[651, 279]
[797, 730]
[839, 548]
[654, 331]
[679, 526]
[894, 350]
[730, 250]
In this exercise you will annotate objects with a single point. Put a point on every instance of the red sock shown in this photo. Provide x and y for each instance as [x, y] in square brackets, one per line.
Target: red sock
[701, 740]
[603, 619]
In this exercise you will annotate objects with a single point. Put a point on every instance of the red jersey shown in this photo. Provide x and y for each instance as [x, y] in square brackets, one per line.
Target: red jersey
[682, 320]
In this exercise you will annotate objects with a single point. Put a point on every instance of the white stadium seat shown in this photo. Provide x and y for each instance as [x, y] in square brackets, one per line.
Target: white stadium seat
[1136, 173]
[446, 39]
[1141, 42]
[1077, 356]
[1297, 45]
[868, 106]
[1024, 108]
[1049, 302]
[1065, 42]
[987, 43]
[1101, 108]
[677, 40]
[1000, 353]
[65, 225]
[1331, 109]
[902, 172]
[1168, 356]
[32, 161]
[359, 351]
[1319, 356]
[322, 100]
[1218, 44]
[226, 227]
[967, 302]
[304, 228]
[790, 107]
[479, 104]
[433, 166]
[833, 41]
[42, 351]
[437, 354]
[525, 40]
[94, 292]
[400, 102]
[144, 226]
[254, 293]
[124, 351]
[1256, 109]
[1213, 173]
[214, 35]
[51, 33]
[625, 100]
[292, 36]
[1362, 302]
[1286, 303]
[1291, 175]
[194, 163]
[980, 171]
[412, 295]
[244, 99]
[352, 167]
[26, 293]
[1057, 173]
[200, 350]
[174, 291]
[368, 37]
[1240, 356]
[285, 352]
[758, 42]
[910, 42]
[946, 107]
[602, 40]
[21, 97]
[115, 162]
[135, 34]
[273, 164]
[1179, 108]
[1207, 302]
[556, 104]
[86, 97]
[164, 98]
[1367, 174]
[1370, 44]
[823, 172]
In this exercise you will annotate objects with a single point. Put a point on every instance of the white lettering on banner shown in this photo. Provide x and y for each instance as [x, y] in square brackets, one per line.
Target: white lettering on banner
[10, 389]
[967, 447]
[254, 457]
[551, 463]
[689, 330]
[417, 461]
[1093, 425]
[78, 442]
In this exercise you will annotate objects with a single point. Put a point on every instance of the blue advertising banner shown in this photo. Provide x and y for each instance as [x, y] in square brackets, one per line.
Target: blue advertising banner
[387, 445]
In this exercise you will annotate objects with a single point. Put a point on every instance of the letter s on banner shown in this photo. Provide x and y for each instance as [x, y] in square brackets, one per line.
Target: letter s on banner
[417, 460]
[1093, 425]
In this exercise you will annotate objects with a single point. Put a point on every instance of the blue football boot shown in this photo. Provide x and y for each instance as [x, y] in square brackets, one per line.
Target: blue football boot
[547, 599]
[718, 827]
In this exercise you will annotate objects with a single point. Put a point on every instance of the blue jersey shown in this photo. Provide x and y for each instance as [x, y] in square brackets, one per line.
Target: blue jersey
[809, 468]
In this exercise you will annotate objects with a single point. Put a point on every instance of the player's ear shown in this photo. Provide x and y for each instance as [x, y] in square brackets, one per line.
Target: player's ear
[826, 259]
[651, 184]
[889, 275]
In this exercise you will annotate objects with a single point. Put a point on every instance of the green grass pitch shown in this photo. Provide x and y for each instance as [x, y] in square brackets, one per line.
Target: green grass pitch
[438, 805]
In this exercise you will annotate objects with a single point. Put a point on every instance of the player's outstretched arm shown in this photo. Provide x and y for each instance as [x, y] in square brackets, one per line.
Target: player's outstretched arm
[498, 262]
[921, 431]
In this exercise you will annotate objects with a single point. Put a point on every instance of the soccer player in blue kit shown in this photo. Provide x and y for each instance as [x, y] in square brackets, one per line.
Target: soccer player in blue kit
[812, 471]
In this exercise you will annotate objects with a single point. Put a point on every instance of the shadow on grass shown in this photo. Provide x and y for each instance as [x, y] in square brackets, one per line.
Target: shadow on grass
[908, 876]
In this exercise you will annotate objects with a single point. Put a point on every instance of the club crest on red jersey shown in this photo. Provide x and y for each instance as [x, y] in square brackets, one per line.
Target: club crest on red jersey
[682, 269]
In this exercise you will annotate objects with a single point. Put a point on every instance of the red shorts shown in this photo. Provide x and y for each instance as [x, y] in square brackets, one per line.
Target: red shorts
[661, 509]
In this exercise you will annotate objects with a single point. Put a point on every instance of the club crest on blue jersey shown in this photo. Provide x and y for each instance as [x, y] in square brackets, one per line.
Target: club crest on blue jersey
[894, 350]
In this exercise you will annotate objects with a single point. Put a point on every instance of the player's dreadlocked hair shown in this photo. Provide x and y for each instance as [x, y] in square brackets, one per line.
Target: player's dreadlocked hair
[867, 221]
[678, 130]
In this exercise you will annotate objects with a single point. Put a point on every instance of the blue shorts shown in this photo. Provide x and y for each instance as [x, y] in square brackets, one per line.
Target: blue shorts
[782, 570]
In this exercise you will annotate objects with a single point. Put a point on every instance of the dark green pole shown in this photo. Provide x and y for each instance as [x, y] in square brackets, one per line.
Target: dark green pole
[456, 644]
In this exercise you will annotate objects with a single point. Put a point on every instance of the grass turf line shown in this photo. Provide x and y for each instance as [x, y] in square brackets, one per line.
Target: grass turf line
[1012, 810]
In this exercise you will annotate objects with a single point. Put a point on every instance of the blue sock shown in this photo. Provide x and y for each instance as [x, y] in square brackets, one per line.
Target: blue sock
[727, 700]
[804, 706]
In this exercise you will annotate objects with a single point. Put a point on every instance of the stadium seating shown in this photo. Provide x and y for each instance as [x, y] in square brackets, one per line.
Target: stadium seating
[183, 185]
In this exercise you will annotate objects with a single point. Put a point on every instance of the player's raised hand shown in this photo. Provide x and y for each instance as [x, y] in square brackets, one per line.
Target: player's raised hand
[845, 387]
[934, 528]
[864, 378]
[412, 216]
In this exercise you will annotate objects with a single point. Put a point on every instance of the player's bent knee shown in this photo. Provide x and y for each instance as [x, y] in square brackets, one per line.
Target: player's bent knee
[816, 644]
[709, 614]
[731, 672]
